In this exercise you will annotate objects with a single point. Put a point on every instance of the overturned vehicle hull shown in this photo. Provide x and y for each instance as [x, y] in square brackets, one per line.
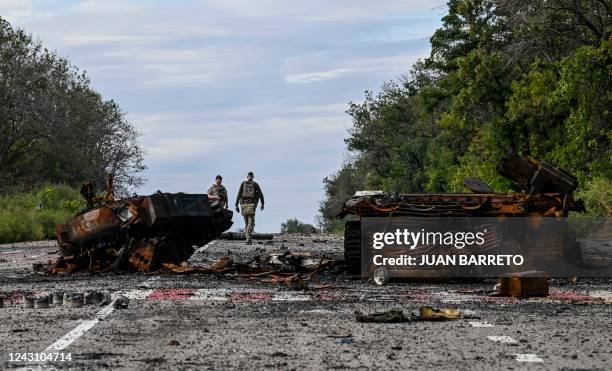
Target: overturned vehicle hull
[139, 233]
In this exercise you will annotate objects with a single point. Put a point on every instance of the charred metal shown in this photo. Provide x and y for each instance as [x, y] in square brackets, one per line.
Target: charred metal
[137, 233]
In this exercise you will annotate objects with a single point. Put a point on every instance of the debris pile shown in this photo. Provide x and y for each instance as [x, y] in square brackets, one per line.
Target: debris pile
[287, 268]
[426, 313]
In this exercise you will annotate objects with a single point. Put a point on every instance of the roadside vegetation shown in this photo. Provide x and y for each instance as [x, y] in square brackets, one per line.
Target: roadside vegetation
[297, 227]
[529, 76]
[55, 132]
[54, 127]
[30, 216]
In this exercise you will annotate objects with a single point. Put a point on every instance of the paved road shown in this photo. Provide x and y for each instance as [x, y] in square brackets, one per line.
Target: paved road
[203, 321]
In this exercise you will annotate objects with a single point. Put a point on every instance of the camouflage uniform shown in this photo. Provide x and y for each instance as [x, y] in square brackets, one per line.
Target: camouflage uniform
[249, 195]
[220, 191]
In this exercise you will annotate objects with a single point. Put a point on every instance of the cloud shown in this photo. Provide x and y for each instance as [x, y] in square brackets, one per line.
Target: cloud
[305, 78]
[229, 86]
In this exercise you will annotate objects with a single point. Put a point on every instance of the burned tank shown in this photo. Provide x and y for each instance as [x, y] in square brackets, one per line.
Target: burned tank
[137, 233]
[543, 191]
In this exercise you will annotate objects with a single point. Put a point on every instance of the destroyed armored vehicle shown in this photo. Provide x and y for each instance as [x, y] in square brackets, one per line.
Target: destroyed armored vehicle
[137, 233]
[545, 191]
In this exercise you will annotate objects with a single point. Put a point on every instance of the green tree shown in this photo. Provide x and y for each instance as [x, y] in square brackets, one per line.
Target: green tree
[53, 126]
[296, 226]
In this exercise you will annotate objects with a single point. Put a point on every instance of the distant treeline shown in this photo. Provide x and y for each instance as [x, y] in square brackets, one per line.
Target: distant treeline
[533, 76]
[54, 128]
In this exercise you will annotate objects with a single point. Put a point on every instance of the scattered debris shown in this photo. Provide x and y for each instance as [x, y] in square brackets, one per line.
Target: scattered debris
[93, 297]
[427, 313]
[524, 284]
[106, 298]
[58, 298]
[291, 269]
[391, 316]
[41, 302]
[74, 300]
[120, 302]
[381, 276]
[28, 302]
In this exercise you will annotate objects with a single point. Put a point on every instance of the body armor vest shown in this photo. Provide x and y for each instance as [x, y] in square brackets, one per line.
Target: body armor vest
[248, 190]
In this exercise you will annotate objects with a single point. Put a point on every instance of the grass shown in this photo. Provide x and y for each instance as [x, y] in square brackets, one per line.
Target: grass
[34, 215]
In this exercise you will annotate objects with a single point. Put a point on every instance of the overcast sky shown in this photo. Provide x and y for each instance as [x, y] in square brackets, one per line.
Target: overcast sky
[228, 86]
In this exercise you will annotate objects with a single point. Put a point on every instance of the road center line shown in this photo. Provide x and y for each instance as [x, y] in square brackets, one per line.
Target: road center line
[502, 339]
[481, 324]
[87, 325]
[527, 357]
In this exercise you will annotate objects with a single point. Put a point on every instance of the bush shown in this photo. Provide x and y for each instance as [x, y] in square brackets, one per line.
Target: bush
[35, 215]
[597, 197]
[295, 226]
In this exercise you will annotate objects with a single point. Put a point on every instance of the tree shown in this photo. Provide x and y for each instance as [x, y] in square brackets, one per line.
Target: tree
[296, 226]
[53, 126]
[532, 76]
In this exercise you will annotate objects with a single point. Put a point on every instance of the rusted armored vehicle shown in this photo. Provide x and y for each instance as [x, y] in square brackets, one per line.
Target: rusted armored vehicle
[544, 190]
[137, 233]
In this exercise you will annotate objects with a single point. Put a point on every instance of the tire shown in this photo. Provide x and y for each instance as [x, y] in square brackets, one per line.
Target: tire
[352, 246]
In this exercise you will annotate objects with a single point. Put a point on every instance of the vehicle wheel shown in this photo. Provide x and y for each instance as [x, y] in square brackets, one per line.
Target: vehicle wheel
[352, 246]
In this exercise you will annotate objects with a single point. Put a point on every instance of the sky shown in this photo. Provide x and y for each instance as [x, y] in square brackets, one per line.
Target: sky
[231, 86]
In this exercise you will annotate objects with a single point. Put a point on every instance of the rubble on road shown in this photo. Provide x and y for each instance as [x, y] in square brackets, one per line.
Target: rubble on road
[288, 268]
[391, 316]
[427, 313]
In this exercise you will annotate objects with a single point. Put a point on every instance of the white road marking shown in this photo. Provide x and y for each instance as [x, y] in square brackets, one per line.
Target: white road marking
[139, 294]
[210, 294]
[316, 311]
[290, 296]
[481, 324]
[86, 325]
[501, 339]
[606, 296]
[527, 357]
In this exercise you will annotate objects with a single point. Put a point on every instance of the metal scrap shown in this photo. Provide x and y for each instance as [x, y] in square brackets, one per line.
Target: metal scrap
[291, 269]
[391, 316]
[428, 313]
[524, 284]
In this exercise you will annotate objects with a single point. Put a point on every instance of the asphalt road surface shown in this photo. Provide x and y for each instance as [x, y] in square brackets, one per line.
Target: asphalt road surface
[220, 322]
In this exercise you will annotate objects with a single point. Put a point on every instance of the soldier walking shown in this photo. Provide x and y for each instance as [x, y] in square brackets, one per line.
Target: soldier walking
[249, 195]
[217, 193]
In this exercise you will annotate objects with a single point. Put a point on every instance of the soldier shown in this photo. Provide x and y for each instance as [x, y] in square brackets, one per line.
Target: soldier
[217, 193]
[248, 196]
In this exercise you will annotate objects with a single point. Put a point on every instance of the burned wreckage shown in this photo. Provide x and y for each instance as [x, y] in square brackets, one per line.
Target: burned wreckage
[544, 191]
[136, 233]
